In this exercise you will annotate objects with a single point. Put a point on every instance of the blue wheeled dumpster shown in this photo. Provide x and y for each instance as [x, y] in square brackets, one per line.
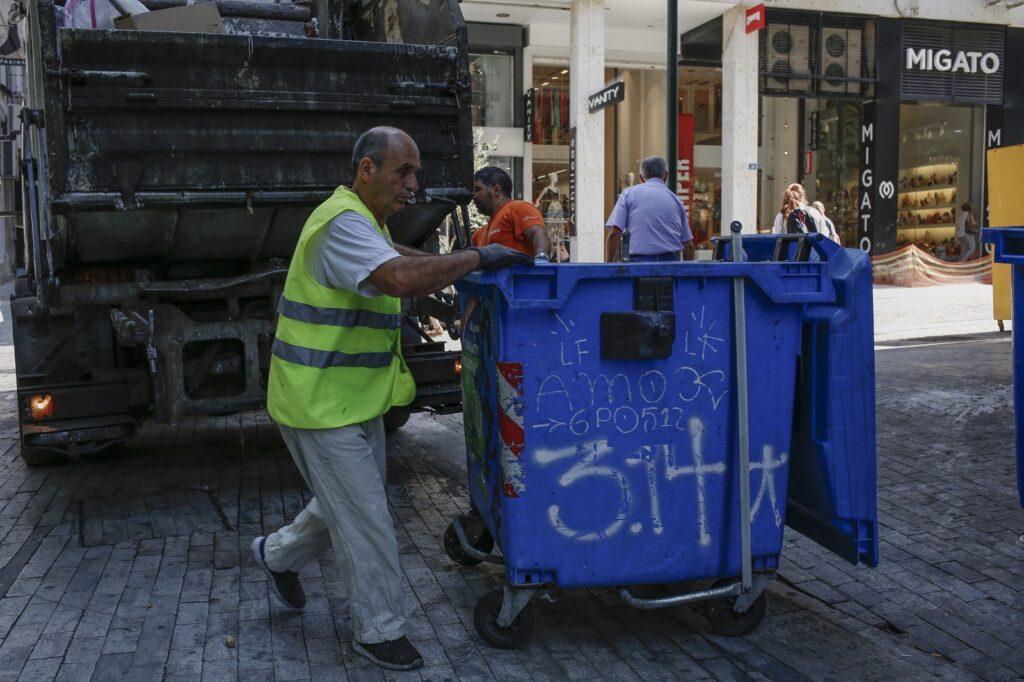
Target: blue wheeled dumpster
[644, 423]
[1008, 247]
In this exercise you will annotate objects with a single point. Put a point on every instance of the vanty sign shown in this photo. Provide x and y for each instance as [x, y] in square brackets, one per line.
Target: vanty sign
[926, 59]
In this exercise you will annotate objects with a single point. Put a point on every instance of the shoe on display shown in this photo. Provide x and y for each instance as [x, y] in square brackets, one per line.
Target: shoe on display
[395, 654]
[286, 584]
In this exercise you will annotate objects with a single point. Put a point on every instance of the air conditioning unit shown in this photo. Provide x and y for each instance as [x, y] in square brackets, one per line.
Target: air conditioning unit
[840, 59]
[789, 52]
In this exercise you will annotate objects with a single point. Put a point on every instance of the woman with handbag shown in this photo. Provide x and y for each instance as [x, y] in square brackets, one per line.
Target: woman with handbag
[967, 231]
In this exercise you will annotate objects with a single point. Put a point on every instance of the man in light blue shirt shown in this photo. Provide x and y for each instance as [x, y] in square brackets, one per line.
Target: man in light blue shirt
[653, 217]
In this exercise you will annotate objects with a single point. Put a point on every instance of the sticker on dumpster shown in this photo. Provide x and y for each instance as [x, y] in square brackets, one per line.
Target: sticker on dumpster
[510, 426]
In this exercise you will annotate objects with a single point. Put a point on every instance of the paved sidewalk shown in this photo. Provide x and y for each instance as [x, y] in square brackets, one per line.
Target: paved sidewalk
[138, 568]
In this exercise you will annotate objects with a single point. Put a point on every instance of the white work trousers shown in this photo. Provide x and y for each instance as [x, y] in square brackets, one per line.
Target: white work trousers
[346, 469]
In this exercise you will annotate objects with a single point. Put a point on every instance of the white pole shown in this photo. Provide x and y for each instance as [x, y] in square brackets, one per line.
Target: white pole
[739, 122]
[586, 77]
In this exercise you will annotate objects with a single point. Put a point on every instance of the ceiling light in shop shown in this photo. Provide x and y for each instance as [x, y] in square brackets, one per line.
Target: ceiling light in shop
[554, 78]
[565, 71]
[545, 83]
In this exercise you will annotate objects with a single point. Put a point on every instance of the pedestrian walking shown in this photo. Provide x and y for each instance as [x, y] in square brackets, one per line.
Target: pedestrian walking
[796, 215]
[514, 223]
[336, 367]
[830, 227]
[648, 222]
[967, 231]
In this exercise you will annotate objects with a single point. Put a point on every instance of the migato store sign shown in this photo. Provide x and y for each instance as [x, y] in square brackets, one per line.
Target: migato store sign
[925, 59]
[946, 62]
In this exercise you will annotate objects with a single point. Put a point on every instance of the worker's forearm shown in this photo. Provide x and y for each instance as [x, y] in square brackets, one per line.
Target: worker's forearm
[688, 252]
[540, 241]
[409, 251]
[409, 276]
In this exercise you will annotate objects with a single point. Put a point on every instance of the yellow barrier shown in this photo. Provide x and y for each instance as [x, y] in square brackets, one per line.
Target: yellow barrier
[1005, 209]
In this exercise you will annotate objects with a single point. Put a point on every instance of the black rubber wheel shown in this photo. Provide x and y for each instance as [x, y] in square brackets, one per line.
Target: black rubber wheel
[1002, 327]
[478, 536]
[727, 622]
[395, 418]
[485, 618]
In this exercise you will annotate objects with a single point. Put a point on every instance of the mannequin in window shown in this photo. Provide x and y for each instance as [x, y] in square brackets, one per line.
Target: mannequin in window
[550, 202]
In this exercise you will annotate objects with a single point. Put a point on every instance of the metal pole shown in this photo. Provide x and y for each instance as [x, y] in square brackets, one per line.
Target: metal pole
[743, 413]
[673, 95]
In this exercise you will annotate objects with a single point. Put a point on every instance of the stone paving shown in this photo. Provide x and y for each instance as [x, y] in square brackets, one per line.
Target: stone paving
[137, 568]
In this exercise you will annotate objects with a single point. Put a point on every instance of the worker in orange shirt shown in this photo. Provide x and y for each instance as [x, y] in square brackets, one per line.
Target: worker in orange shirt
[513, 223]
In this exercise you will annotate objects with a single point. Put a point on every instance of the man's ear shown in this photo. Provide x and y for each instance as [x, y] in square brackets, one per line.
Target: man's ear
[496, 191]
[366, 167]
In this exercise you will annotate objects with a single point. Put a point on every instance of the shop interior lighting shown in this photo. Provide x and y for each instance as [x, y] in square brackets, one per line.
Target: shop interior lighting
[564, 71]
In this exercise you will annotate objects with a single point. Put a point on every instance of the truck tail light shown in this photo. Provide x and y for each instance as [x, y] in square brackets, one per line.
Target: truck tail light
[458, 367]
[41, 406]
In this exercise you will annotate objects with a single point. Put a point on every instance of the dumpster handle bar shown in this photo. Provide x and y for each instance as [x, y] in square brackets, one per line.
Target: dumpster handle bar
[732, 590]
[739, 298]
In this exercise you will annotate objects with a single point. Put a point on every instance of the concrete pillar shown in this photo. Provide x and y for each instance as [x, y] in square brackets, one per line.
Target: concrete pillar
[739, 122]
[586, 76]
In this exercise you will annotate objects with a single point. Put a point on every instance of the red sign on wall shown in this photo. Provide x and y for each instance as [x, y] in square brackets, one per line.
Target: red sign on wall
[808, 163]
[684, 156]
[755, 18]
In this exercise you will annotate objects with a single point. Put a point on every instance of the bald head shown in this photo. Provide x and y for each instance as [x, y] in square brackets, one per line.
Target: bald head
[385, 162]
[375, 142]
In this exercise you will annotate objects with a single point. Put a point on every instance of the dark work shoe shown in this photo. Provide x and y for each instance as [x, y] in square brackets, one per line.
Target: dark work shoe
[397, 654]
[285, 583]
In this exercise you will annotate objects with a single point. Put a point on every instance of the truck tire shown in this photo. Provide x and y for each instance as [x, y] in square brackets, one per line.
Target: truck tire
[395, 418]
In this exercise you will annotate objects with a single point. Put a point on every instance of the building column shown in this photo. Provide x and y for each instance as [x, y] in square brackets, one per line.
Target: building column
[739, 122]
[586, 76]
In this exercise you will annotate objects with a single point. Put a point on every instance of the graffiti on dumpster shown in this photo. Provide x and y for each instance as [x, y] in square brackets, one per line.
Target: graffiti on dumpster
[610, 401]
[585, 403]
[701, 340]
[663, 465]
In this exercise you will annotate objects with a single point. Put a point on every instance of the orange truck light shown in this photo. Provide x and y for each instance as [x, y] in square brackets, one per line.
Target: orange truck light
[41, 406]
[458, 367]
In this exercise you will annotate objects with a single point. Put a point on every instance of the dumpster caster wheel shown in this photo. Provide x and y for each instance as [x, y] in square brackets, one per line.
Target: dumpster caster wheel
[477, 535]
[729, 623]
[514, 636]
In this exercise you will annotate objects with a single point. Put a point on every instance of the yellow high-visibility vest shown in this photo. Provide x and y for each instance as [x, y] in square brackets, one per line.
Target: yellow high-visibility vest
[337, 357]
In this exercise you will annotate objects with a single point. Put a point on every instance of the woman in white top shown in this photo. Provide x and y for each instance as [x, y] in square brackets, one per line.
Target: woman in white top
[967, 231]
[795, 197]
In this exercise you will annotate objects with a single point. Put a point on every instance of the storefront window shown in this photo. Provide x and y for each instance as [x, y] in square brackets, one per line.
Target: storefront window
[934, 176]
[838, 159]
[551, 121]
[491, 76]
[700, 94]
[551, 153]
[704, 214]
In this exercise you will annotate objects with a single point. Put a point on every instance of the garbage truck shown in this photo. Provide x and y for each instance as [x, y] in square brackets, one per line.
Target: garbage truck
[166, 176]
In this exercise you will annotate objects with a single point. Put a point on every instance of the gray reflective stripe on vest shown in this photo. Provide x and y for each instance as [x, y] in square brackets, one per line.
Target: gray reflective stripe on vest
[337, 317]
[322, 359]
